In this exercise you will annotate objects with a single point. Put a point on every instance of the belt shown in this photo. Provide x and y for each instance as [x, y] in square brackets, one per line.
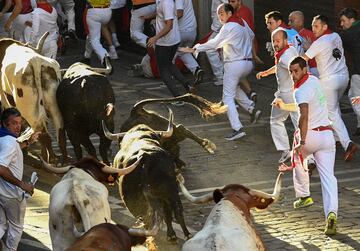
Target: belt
[99, 7]
[247, 59]
[322, 128]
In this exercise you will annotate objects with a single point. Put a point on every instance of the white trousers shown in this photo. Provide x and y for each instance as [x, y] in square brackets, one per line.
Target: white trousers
[355, 92]
[233, 72]
[334, 87]
[96, 17]
[322, 146]
[146, 66]
[50, 48]
[277, 122]
[137, 23]
[68, 6]
[187, 40]
[215, 60]
[12, 213]
[21, 31]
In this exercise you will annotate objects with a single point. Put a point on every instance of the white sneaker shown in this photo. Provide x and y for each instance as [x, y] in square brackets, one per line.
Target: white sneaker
[236, 135]
[116, 43]
[112, 53]
[285, 156]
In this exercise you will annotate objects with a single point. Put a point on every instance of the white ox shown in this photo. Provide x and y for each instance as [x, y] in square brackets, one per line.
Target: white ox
[29, 82]
[80, 200]
[229, 226]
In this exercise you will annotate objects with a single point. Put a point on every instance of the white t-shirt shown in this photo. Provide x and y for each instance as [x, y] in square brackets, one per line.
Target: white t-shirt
[165, 10]
[312, 94]
[235, 39]
[188, 21]
[285, 83]
[117, 4]
[328, 52]
[12, 158]
[43, 21]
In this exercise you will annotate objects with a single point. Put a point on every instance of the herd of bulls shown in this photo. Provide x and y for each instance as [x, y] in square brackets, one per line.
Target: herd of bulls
[80, 102]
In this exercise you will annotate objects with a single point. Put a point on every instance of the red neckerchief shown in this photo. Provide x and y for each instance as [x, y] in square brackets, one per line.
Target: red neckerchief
[45, 6]
[301, 81]
[235, 19]
[278, 54]
[283, 25]
[328, 31]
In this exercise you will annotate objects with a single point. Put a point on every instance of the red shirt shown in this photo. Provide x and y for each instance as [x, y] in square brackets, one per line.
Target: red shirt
[246, 14]
[308, 35]
[26, 6]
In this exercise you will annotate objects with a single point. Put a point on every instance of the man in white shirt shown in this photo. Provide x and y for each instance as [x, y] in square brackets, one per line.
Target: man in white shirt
[314, 136]
[235, 38]
[44, 19]
[284, 54]
[166, 42]
[328, 52]
[187, 27]
[12, 188]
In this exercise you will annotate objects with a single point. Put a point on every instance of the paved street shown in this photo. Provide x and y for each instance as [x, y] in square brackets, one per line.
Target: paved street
[250, 161]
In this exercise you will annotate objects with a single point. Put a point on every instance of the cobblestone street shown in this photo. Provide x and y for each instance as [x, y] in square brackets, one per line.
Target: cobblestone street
[250, 161]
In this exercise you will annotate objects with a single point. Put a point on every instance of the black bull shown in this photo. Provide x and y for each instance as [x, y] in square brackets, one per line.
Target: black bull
[151, 188]
[139, 115]
[85, 98]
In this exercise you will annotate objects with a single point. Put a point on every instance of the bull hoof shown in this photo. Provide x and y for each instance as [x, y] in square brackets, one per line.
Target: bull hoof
[209, 146]
[171, 238]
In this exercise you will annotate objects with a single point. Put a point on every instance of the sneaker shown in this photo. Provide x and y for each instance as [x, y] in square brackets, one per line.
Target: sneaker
[112, 53]
[254, 116]
[72, 34]
[236, 135]
[303, 202]
[350, 151]
[178, 103]
[116, 44]
[218, 82]
[253, 96]
[285, 156]
[199, 74]
[136, 67]
[330, 227]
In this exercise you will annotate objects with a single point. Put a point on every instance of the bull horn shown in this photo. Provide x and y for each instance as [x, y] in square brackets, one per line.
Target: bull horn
[106, 70]
[41, 42]
[196, 200]
[123, 171]
[57, 170]
[169, 132]
[144, 232]
[112, 136]
[276, 193]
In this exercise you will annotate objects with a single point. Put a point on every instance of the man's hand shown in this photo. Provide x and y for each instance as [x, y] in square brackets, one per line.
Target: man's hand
[278, 103]
[7, 26]
[284, 168]
[262, 74]
[27, 187]
[151, 42]
[186, 49]
[34, 138]
[28, 23]
[298, 149]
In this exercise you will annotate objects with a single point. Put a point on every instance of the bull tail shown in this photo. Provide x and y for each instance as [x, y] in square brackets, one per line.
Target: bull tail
[205, 107]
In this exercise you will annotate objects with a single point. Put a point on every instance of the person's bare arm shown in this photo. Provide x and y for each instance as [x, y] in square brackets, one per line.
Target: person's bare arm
[303, 121]
[266, 73]
[167, 28]
[14, 14]
[7, 175]
[279, 103]
[7, 7]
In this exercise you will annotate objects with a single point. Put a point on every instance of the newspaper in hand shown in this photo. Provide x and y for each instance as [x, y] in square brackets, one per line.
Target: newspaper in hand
[33, 180]
[25, 135]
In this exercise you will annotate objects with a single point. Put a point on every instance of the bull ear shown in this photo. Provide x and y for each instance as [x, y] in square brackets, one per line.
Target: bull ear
[217, 195]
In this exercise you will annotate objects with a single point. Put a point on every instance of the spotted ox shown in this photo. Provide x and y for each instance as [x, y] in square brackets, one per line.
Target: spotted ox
[85, 98]
[107, 236]
[29, 82]
[229, 225]
[139, 115]
[80, 200]
[151, 188]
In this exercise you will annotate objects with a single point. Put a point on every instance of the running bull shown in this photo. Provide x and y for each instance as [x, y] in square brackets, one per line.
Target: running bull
[151, 188]
[29, 82]
[85, 98]
[139, 115]
[80, 200]
[229, 225]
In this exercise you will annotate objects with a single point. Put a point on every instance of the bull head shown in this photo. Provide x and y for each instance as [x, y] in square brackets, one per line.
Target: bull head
[163, 134]
[260, 200]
